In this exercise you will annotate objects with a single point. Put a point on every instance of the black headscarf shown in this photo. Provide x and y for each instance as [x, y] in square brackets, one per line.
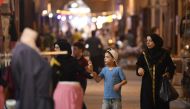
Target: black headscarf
[157, 40]
[156, 52]
[64, 46]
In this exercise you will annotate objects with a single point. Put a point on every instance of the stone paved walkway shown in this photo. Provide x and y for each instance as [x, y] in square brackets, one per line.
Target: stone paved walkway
[130, 94]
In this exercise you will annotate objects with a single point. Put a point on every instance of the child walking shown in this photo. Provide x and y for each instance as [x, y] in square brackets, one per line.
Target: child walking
[114, 79]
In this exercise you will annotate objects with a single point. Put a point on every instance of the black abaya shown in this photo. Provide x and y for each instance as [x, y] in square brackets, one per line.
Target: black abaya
[163, 63]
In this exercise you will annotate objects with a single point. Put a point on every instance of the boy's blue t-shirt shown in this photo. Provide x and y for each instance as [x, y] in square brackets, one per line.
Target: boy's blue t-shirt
[112, 77]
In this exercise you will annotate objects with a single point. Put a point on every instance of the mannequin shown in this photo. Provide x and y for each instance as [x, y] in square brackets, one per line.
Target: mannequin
[29, 37]
[31, 74]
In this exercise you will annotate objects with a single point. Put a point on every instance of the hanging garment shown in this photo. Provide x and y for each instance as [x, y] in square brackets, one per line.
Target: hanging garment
[2, 84]
[1, 1]
[2, 99]
[12, 29]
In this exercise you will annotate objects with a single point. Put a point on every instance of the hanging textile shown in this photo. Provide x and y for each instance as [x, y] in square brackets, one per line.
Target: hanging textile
[2, 84]
[12, 28]
[1, 2]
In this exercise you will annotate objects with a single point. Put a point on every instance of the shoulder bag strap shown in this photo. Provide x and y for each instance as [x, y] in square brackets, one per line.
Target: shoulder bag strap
[152, 74]
[149, 68]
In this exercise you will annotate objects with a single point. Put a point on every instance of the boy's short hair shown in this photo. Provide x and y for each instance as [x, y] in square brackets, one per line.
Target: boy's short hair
[79, 45]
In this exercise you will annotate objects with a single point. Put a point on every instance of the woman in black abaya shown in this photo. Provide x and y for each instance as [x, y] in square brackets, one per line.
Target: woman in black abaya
[160, 65]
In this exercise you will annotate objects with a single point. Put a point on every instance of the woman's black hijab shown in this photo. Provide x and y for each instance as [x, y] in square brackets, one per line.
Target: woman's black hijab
[156, 52]
[64, 46]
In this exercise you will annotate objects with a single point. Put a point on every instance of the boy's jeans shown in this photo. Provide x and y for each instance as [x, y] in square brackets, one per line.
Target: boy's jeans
[111, 104]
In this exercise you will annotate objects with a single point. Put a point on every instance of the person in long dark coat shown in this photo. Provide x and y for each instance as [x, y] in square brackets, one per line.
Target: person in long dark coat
[160, 65]
[78, 49]
[31, 74]
[95, 47]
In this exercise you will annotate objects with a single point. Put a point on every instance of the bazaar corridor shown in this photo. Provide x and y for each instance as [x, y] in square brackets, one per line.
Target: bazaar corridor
[130, 94]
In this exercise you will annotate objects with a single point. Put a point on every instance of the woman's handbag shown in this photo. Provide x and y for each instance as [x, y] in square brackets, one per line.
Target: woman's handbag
[167, 91]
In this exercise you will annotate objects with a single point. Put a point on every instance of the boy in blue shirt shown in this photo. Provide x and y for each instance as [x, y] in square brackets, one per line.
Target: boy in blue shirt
[114, 79]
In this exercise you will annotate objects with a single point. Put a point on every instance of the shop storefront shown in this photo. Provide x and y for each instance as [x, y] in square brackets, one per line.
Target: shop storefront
[8, 25]
[184, 31]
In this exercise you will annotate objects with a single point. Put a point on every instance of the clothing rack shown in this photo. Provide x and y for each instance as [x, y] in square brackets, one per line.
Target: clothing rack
[5, 55]
[45, 53]
[5, 58]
